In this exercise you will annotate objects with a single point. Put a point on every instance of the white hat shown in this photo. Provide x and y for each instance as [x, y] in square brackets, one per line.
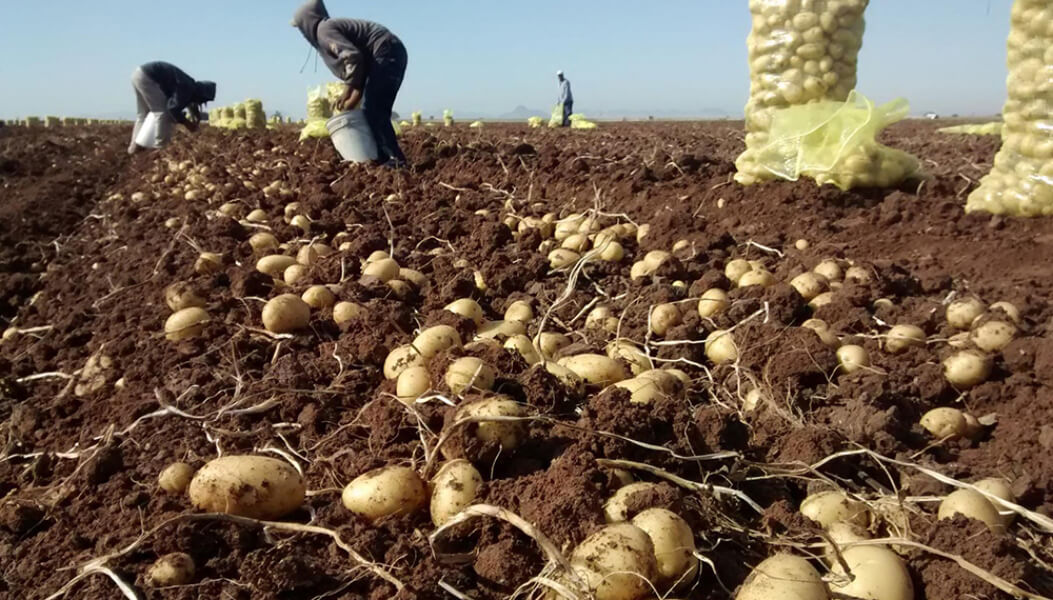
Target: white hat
[558, 73]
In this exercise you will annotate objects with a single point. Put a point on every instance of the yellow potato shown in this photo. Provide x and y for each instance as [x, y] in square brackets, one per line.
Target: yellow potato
[345, 311]
[853, 358]
[400, 359]
[384, 270]
[469, 373]
[182, 295]
[519, 310]
[664, 317]
[827, 508]
[713, 302]
[454, 489]
[385, 492]
[967, 369]
[783, 576]
[274, 265]
[879, 573]
[674, 544]
[175, 478]
[412, 383]
[258, 487]
[286, 314]
[318, 297]
[721, 347]
[508, 434]
[186, 324]
[595, 369]
[467, 308]
[434, 340]
[501, 329]
[616, 509]
[616, 562]
[901, 337]
[172, 569]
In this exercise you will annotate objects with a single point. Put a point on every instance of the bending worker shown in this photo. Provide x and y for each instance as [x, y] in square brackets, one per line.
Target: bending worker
[164, 89]
[369, 59]
[566, 98]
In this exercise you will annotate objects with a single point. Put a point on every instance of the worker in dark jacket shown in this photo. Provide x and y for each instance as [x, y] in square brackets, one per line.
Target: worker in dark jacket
[165, 89]
[369, 59]
[566, 98]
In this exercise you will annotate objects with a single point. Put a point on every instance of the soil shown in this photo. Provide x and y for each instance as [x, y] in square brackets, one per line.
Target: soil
[95, 402]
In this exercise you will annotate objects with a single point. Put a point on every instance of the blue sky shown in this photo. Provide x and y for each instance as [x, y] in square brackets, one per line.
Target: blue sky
[485, 57]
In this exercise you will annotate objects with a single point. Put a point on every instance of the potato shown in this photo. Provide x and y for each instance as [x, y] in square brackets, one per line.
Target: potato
[208, 263]
[721, 347]
[520, 310]
[993, 336]
[568, 226]
[945, 423]
[172, 223]
[182, 295]
[469, 373]
[467, 308]
[522, 345]
[829, 269]
[616, 509]
[857, 274]
[434, 340]
[827, 508]
[274, 265]
[756, 277]
[263, 242]
[612, 252]
[376, 256]
[561, 258]
[664, 317]
[713, 302]
[601, 318]
[345, 311]
[802, 244]
[418, 279]
[294, 274]
[480, 281]
[400, 359]
[642, 391]
[175, 478]
[186, 324]
[257, 216]
[642, 232]
[809, 285]
[617, 562]
[384, 270]
[501, 329]
[735, 269]
[385, 492]
[307, 255]
[286, 313]
[595, 369]
[974, 505]
[574, 384]
[249, 486]
[783, 576]
[654, 260]
[967, 369]
[627, 351]
[454, 489]
[842, 534]
[852, 358]
[302, 223]
[821, 300]
[172, 569]
[508, 434]
[878, 574]
[999, 488]
[754, 398]
[1009, 309]
[669, 382]
[550, 343]
[962, 313]
[674, 544]
[577, 243]
[901, 337]
[821, 329]
[318, 297]
[412, 383]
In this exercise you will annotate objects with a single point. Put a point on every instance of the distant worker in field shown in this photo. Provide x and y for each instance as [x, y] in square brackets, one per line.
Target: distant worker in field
[566, 98]
[164, 89]
[370, 60]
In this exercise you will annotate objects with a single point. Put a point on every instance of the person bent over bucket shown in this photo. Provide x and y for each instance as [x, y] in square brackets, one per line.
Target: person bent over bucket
[164, 90]
[369, 59]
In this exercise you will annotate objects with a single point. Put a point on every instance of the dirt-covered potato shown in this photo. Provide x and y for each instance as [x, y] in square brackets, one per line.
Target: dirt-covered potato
[735, 269]
[286, 313]
[783, 576]
[208, 263]
[400, 359]
[962, 313]
[664, 317]
[549, 343]
[809, 285]
[674, 545]
[318, 297]
[467, 308]
[904, 336]
[879, 574]
[829, 507]
[175, 478]
[713, 302]
[412, 383]
[822, 329]
[434, 340]
[172, 569]
[249, 486]
[469, 372]
[945, 423]
[570, 380]
[830, 270]
[721, 347]
[974, 505]
[383, 270]
[453, 489]
[520, 310]
[500, 329]
[186, 324]
[385, 492]
[758, 277]
[522, 345]
[993, 336]
[967, 369]
[595, 369]
[182, 295]
[617, 562]
[507, 434]
[616, 509]
[852, 358]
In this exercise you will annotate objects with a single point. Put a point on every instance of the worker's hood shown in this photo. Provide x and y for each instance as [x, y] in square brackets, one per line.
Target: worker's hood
[206, 91]
[308, 17]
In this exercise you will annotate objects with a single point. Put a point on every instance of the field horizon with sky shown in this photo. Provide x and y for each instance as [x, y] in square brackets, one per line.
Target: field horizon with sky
[671, 59]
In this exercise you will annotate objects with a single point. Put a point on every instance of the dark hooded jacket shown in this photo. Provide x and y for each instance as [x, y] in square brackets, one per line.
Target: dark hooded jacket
[348, 46]
[182, 90]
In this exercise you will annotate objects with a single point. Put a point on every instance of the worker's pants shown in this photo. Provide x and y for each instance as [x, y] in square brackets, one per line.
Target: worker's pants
[385, 79]
[568, 109]
[149, 98]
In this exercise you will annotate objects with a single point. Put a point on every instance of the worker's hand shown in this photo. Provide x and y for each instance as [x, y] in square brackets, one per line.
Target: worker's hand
[352, 98]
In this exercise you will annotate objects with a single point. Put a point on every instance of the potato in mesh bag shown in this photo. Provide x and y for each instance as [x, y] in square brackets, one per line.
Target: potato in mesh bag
[1021, 182]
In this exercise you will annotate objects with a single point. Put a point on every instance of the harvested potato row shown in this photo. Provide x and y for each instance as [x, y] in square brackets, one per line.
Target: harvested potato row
[1021, 182]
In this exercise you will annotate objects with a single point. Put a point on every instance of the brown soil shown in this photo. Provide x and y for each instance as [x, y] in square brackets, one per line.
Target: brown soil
[82, 450]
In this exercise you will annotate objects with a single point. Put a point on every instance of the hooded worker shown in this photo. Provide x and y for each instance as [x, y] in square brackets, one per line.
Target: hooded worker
[369, 59]
[164, 89]
[566, 98]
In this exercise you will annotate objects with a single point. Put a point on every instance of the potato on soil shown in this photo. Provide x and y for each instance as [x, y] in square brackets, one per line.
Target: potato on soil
[208, 263]
[821, 329]
[400, 359]
[945, 423]
[257, 216]
[721, 347]
[182, 295]
[756, 277]
[840, 535]
[172, 569]
[318, 297]
[575, 385]
[664, 317]
[562, 258]
[550, 343]
[501, 329]
[974, 505]
[412, 383]
[993, 336]
[617, 562]
[186, 324]
[967, 369]
[249, 486]
[453, 489]
[827, 508]
[274, 265]
[595, 369]
[783, 576]
[999, 488]
[345, 311]
[383, 270]
[879, 574]
[735, 269]
[507, 434]
[434, 340]
[713, 302]
[520, 310]
[469, 373]
[809, 285]
[385, 492]
[616, 509]
[263, 242]
[901, 337]
[175, 478]
[467, 308]
[962, 313]
[286, 313]
[674, 544]
[852, 358]
[830, 270]
[522, 345]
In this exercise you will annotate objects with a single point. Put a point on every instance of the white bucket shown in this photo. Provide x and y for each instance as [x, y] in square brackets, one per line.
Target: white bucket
[147, 136]
[352, 136]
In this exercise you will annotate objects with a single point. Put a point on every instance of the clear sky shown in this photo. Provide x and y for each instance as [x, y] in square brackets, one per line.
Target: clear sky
[485, 57]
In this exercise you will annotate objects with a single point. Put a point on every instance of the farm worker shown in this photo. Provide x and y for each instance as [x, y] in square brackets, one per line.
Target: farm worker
[165, 89]
[566, 98]
[370, 60]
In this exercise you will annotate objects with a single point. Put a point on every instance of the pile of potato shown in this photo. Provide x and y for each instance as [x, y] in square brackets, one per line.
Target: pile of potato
[1021, 182]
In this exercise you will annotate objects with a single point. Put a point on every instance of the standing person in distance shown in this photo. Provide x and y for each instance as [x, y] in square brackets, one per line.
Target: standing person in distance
[165, 89]
[566, 98]
[369, 59]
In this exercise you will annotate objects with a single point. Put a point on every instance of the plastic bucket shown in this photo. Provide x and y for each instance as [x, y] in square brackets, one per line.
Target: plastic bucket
[148, 133]
[352, 136]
